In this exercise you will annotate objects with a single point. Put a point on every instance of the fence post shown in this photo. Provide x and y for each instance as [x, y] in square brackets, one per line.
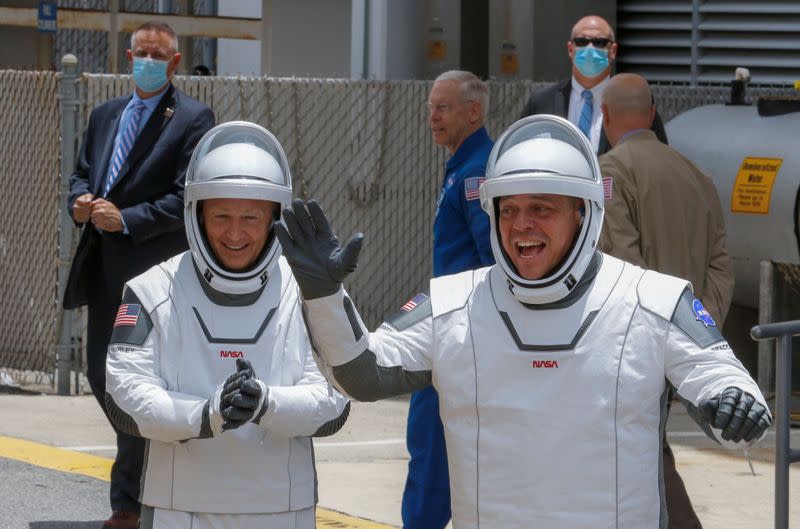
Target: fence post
[68, 96]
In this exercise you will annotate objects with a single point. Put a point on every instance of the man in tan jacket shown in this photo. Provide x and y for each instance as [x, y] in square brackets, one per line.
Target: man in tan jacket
[664, 214]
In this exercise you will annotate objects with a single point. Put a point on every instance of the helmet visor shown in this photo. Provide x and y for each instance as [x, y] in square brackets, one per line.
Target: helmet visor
[542, 154]
[240, 151]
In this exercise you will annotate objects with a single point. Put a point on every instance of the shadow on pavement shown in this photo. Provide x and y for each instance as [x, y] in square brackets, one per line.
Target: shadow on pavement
[66, 525]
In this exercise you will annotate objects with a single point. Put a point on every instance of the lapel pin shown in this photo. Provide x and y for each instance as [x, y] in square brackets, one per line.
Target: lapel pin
[168, 112]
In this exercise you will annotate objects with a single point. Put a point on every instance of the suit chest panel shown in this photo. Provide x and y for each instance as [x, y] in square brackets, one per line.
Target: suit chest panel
[539, 408]
[203, 340]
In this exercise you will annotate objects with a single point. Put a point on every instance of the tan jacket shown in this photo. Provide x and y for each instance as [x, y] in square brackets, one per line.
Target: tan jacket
[664, 214]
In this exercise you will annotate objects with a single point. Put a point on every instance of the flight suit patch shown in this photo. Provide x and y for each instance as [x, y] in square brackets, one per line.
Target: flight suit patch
[132, 324]
[694, 320]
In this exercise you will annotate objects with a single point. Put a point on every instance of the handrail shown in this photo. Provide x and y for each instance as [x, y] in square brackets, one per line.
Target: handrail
[784, 454]
[775, 330]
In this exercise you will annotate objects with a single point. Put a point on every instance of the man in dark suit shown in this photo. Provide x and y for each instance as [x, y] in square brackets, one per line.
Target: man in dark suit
[592, 51]
[127, 193]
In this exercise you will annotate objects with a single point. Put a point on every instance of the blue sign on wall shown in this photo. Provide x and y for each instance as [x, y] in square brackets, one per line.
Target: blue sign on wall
[47, 17]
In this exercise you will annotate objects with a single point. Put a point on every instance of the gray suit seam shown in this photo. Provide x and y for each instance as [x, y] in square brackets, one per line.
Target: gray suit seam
[289, 474]
[314, 471]
[477, 416]
[172, 488]
[143, 477]
[662, 493]
[616, 410]
[663, 514]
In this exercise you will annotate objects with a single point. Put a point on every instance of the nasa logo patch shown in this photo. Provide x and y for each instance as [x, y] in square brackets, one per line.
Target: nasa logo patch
[702, 315]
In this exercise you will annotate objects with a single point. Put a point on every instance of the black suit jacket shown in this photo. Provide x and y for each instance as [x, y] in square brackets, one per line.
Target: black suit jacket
[148, 192]
[554, 99]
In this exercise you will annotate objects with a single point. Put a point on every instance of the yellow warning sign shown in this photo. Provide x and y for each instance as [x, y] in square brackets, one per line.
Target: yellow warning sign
[753, 187]
[437, 50]
[509, 64]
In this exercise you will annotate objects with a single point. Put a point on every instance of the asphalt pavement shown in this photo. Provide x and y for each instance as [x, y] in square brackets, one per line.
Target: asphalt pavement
[58, 479]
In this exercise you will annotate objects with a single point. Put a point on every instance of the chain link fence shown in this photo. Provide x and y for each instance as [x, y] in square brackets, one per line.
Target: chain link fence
[362, 148]
[29, 209]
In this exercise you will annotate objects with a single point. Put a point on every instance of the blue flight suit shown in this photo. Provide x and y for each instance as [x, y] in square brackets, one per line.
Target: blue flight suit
[460, 242]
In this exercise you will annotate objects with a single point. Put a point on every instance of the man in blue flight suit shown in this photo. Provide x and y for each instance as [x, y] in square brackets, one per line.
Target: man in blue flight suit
[458, 104]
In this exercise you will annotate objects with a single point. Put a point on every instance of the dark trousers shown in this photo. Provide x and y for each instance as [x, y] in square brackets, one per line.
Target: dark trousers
[679, 506]
[127, 469]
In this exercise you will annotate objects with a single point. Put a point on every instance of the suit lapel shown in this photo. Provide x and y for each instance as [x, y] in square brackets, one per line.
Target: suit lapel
[561, 103]
[603, 147]
[150, 133]
[108, 148]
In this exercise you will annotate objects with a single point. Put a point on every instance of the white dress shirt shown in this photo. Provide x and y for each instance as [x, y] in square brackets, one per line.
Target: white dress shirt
[576, 105]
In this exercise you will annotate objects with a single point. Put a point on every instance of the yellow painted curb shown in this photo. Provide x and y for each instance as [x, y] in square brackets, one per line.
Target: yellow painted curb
[326, 518]
[100, 468]
[55, 458]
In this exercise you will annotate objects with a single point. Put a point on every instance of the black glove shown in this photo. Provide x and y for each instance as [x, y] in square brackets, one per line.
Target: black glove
[214, 415]
[318, 260]
[246, 401]
[737, 414]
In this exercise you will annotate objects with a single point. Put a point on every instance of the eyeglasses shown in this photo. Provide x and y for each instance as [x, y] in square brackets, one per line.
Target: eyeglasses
[444, 108]
[599, 42]
[438, 107]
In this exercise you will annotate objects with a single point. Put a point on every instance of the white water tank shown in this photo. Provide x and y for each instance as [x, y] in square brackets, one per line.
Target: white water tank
[754, 161]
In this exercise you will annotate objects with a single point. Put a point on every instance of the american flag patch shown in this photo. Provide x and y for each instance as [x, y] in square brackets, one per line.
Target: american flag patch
[608, 187]
[128, 314]
[413, 302]
[472, 187]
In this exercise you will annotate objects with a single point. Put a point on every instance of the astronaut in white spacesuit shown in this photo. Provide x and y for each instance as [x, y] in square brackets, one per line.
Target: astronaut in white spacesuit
[210, 358]
[553, 365]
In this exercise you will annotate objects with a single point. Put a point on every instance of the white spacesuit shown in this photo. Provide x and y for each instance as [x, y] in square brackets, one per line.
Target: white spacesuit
[185, 326]
[552, 391]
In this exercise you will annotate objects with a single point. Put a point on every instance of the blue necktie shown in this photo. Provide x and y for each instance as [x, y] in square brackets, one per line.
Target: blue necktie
[585, 121]
[126, 138]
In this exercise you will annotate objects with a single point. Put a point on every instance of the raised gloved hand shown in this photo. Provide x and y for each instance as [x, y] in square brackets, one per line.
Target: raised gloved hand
[318, 260]
[247, 400]
[738, 414]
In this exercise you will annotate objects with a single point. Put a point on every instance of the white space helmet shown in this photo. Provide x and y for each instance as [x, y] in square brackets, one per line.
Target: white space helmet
[237, 159]
[545, 154]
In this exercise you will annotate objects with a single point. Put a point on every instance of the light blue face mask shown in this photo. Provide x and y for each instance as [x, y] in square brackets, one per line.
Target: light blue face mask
[149, 74]
[590, 61]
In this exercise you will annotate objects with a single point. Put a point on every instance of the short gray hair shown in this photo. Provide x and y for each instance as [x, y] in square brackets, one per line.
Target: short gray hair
[471, 88]
[158, 27]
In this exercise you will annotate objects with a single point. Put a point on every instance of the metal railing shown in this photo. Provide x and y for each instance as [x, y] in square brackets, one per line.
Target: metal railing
[785, 455]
